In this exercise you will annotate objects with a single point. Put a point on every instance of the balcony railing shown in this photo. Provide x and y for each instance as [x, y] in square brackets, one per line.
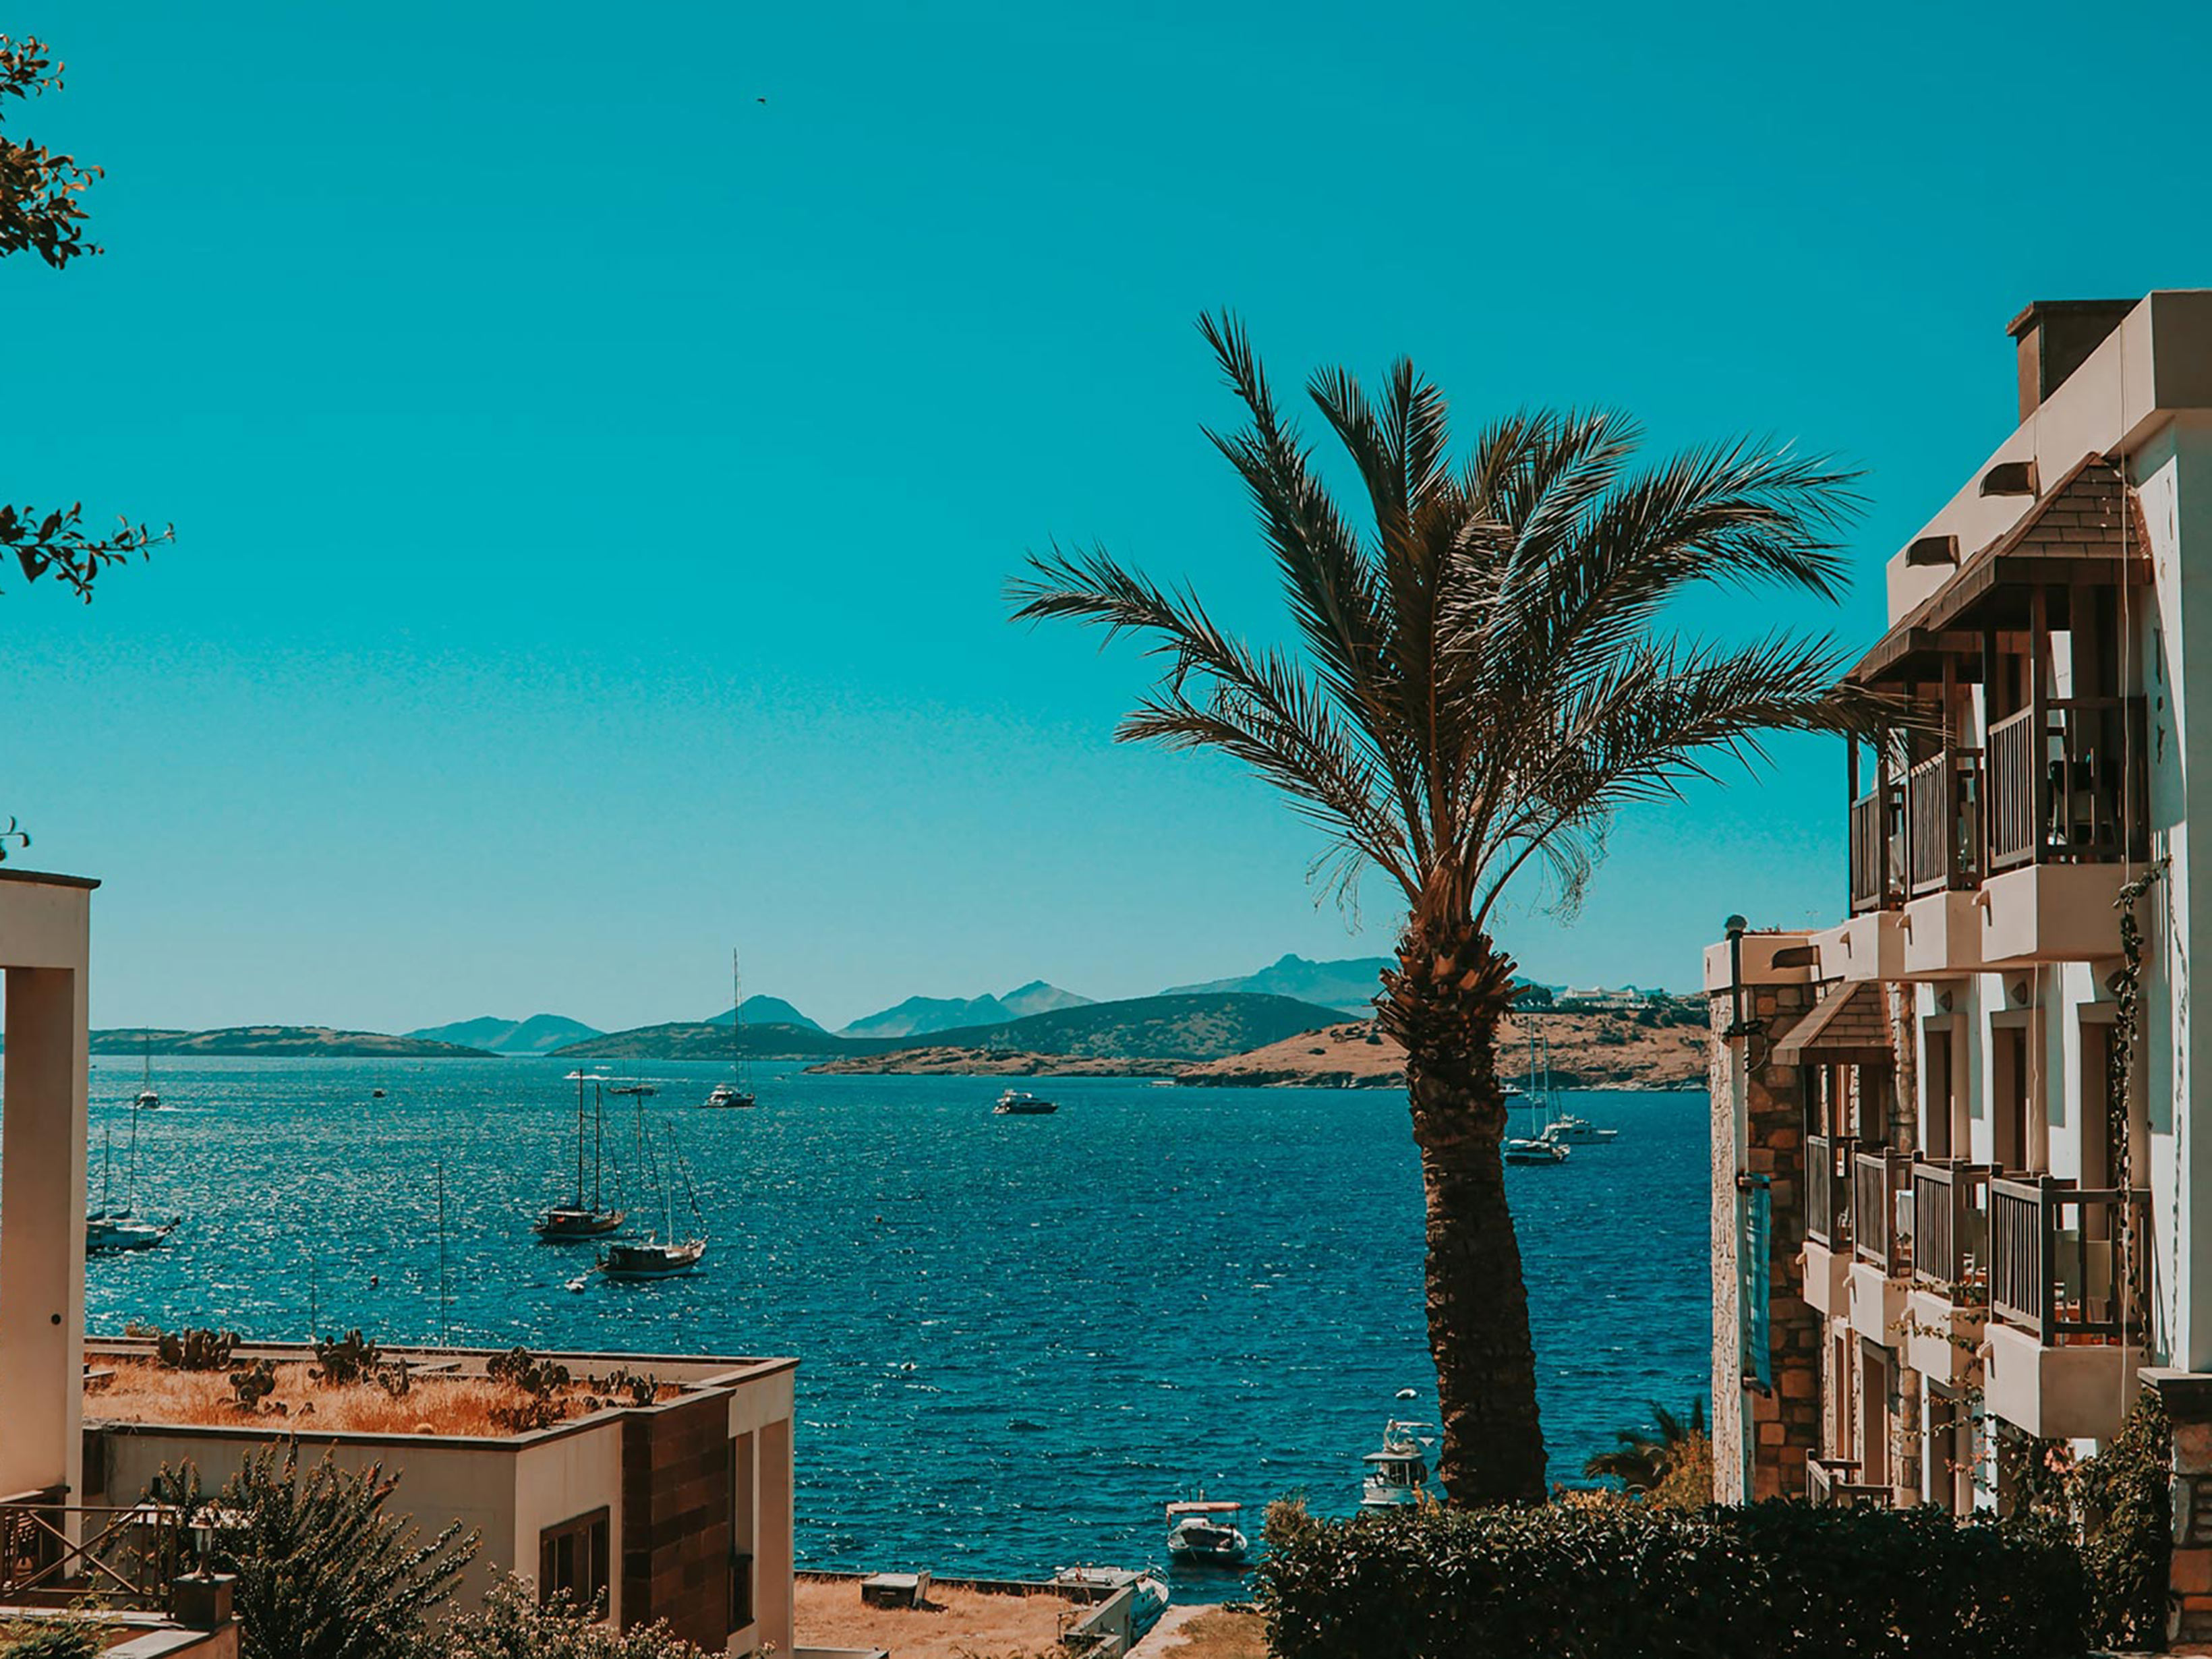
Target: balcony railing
[2075, 792]
[1834, 1480]
[1877, 1178]
[2056, 1266]
[57, 1555]
[1943, 822]
[1828, 1190]
[1951, 1228]
[1877, 848]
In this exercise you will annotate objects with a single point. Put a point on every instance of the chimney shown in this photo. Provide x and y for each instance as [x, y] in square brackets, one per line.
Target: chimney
[2056, 338]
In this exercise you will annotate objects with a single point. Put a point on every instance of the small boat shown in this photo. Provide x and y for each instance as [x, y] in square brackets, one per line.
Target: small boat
[1573, 1129]
[562, 1222]
[1538, 1150]
[1020, 1103]
[636, 1090]
[662, 1255]
[107, 1229]
[1537, 1146]
[1397, 1476]
[148, 1100]
[738, 1091]
[376, 1094]
[1206, 1534]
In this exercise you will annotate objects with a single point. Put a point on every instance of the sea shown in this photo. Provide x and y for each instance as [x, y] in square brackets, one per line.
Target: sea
[1018, 1337]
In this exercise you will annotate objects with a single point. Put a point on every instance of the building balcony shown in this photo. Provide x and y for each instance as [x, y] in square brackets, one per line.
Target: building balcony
[1948, 1306]
[1834, 1482]
[2069, 1304]
[1881, 1244]
[1828, 1223]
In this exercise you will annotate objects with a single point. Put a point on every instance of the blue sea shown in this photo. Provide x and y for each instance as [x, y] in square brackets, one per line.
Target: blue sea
[1018, 1337]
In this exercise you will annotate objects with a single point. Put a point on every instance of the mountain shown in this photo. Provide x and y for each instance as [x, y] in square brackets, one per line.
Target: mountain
[1038, 997]
[1201, 1026]
[769, 1010]
[317, 1042]
[1350, 986]
[919, 1016]
[710, 1039]
[541, 1034]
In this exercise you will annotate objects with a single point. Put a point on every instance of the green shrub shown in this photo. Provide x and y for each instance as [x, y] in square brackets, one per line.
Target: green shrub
[511, 1624]
[1634, 1581]
[49, 1638]
[323, 1571]
[2123, 1504]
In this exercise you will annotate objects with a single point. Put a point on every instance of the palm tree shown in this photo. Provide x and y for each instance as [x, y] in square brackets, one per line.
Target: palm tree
[1484, 681]
[1644, 1456]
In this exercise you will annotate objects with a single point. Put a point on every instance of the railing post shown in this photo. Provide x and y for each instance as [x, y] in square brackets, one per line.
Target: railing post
[2046, 1244]
[2038, 770]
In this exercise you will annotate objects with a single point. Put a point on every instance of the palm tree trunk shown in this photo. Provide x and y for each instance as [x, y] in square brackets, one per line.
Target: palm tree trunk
[1444, 1005]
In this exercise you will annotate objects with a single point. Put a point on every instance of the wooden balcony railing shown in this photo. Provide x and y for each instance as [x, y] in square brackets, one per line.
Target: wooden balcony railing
[56, 1554]
[1877, 848]
[2074, 792]
[1877, 1177]
[1835, 1481]
[1951, 1228]
[1828, 1190]
[1943, 822]
[2056, 1264]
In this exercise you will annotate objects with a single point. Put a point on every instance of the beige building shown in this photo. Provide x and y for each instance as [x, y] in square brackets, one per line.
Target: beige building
[678, 1509]
[1957, 1195]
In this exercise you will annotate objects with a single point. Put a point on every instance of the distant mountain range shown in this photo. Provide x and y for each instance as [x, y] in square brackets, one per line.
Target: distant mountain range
[541, 1034]
[1351, 985]
[769, 1010]
[920, 1015]
[1179, 1028]
[314, 1041]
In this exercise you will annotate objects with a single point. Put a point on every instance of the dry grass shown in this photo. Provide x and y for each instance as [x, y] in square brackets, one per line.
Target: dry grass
[144, 1393]
[958, 1623]
[1220, 1633]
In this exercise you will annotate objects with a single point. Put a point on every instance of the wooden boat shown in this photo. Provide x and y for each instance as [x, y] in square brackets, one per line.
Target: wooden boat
[662, 1255]
[563, 1222]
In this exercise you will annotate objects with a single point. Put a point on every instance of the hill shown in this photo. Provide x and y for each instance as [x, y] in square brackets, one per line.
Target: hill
[710, 1040]
[1350, 985]
[769, 1010]
[316, 1040]
[918, 1015]
[541, 1034]
[1038, 997]
[1166, 1028]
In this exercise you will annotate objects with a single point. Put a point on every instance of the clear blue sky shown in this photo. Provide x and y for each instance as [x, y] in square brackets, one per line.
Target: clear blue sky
[593, 486]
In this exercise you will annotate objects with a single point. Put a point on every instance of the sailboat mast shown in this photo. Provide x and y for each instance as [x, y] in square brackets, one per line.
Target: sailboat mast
[736, 1022]
[579, 1138]
[131, 1194]
[599, 1140]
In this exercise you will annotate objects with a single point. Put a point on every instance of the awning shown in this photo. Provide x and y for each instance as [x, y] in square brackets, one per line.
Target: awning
[1848, 1027]
[2087, 529]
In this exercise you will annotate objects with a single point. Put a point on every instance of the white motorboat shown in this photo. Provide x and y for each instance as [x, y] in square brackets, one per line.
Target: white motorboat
[1103, 1583]
[1541, 1150]
[1397, 1476]
[1020, 1103]
[1206, 1534]
[1573, 1129]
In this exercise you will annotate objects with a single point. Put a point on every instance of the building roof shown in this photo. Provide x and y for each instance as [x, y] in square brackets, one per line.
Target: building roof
[1847, 1027]
[2087, 527]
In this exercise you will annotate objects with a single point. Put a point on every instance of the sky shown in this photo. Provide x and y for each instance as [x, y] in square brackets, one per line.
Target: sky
[597, 442]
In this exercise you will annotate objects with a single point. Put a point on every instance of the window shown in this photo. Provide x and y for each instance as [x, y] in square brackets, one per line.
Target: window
[573, 1557]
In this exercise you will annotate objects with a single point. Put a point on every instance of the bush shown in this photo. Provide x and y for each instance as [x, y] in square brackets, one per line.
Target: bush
[340, 1362]
[1635, 1581]
[512, 1625]
[323, 1572]
[196, 1350]
[50, 1638]
[2124, 1509]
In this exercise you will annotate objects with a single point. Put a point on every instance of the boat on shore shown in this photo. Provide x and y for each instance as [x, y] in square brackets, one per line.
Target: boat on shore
[1203, 1534]
[1020, 1103]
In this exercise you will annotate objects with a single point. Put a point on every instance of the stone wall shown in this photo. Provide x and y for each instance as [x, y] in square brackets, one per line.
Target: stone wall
[1784, 1424]
[675, 1520]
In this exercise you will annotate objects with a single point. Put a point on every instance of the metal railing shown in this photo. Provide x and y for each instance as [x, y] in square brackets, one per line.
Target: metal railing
[2055, 1265]
[2073, 793]
[1828, 1190]
[1951, 1228]
[1829, 1480]
[1943, 822]
[1876, 1179]
[1877, 825]
[54, 1554]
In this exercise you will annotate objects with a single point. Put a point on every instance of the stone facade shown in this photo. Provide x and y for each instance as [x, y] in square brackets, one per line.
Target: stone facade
[676, 1560]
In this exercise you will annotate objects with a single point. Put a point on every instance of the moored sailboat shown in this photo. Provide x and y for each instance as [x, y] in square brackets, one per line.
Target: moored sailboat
[107, 1229]
[738, 1091]
[579, 1220]
[661, 1254]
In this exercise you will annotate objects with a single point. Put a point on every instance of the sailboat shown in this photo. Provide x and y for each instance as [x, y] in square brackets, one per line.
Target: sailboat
[577, 1220]
[148, 1100]
[109, 1229]
[1538, 1146]
[662, 1255]
[737, 1092]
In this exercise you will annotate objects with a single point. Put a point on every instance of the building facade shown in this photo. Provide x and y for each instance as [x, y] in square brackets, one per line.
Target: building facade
[1956, 1196]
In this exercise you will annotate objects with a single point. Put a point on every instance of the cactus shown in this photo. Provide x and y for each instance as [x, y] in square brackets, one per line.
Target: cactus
[348, 1359]
[197, 1350]
[253, 1385]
